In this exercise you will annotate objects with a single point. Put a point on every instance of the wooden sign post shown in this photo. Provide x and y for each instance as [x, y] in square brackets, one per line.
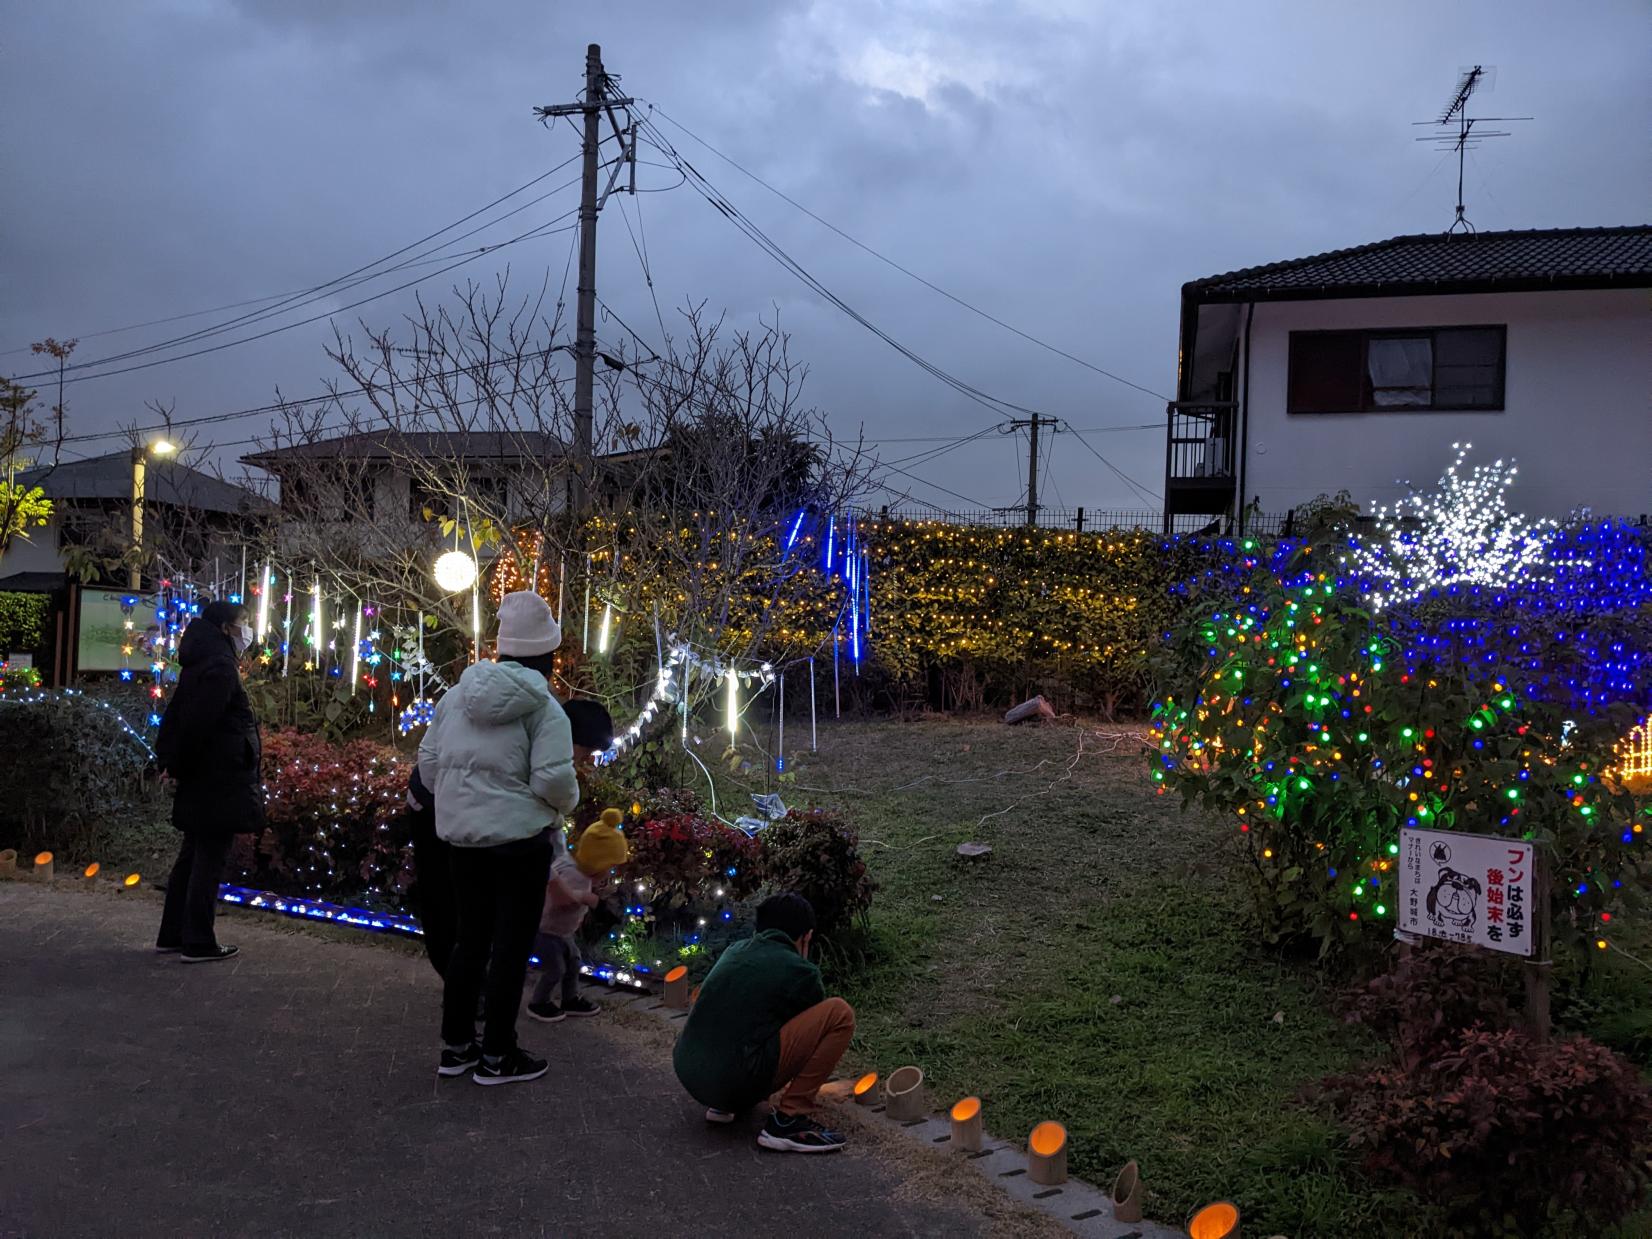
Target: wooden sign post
[1484, 891]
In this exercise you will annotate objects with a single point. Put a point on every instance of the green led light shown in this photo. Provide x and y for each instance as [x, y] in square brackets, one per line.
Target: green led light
[1382, 910]
[1393, 849]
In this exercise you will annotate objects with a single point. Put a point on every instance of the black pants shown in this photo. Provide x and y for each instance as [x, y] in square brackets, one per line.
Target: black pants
[501, 892]
[434, 897]
[192, 892]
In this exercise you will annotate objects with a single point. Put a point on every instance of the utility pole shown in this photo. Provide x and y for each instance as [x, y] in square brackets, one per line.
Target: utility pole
[1031, 424]
[596, 101]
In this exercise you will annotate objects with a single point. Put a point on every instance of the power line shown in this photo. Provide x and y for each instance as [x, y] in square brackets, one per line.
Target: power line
[323, 398]
[308, 295]
[532, 233]
[720, 202]
[1126, 478]
[974, 309]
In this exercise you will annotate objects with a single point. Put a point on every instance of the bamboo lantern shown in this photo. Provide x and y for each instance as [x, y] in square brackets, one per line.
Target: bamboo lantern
[8, 863]
[865, 1091]
[43, 867]
[676, 988]
[131, 880]
[1047, 1154]
[91, 870]
[966, 1125]
[904, 1094]
[1127, 1194]
[1217, 1221]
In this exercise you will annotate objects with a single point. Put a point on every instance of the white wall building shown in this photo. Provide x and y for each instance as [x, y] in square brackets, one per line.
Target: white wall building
[1357, 370]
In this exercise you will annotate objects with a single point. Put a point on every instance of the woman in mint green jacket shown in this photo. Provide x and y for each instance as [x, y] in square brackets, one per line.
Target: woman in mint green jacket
[499, 760]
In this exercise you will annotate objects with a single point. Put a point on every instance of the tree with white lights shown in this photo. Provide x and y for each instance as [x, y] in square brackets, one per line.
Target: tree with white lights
[1459, 534]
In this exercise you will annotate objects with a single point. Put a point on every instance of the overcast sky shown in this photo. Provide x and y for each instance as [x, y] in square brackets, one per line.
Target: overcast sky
[1064, 164]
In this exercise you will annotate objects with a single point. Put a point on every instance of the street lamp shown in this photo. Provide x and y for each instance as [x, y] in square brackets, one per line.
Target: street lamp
[140, 466]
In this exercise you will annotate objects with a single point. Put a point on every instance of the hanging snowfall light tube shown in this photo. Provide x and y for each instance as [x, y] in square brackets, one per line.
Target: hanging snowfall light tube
[287, 626]
[602, 629]
[797, 527]
[733, 705]
[315, 620]
[355, 650]
[264, 604]
[831, 541]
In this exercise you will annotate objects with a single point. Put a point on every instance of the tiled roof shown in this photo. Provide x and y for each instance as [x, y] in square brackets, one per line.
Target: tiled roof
[1441, 263]
[435, 445]
[165, 481]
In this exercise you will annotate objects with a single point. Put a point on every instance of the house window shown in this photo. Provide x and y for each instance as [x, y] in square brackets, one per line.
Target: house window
[1428, 368]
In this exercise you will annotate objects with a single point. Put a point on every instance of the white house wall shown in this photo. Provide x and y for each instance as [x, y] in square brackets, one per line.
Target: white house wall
[35, 551]
[1576, 408]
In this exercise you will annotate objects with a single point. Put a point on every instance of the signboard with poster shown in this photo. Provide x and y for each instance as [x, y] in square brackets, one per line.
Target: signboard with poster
[1478, 890]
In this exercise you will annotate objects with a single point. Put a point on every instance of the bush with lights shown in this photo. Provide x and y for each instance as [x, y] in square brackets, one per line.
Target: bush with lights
[1322, 727]
[327, 810]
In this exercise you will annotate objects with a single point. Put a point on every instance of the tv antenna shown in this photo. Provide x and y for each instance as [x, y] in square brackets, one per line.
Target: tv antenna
[1455, 129]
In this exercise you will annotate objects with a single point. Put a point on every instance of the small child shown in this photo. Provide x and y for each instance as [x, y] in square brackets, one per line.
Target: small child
[578, 881]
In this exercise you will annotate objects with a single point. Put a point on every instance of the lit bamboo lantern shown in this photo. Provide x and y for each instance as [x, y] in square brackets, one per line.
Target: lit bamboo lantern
[1127, 1194]
[904, 1094]
[91, 870]
[130, 881]
[966, 1125]
[1217, 1221]
[1047, 1154]
[8, 863]
[865, 1091]
[676, 988]
[43, 867]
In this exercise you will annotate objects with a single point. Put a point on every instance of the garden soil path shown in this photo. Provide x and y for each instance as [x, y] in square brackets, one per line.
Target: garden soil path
[292, 1092]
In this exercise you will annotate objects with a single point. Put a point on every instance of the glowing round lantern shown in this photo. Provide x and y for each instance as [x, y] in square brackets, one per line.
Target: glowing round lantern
[455, 572]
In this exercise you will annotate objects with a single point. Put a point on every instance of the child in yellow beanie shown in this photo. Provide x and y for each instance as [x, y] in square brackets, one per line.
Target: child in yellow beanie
[578, 881]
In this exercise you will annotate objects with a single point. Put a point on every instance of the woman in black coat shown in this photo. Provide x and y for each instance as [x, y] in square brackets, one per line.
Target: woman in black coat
[208, 744]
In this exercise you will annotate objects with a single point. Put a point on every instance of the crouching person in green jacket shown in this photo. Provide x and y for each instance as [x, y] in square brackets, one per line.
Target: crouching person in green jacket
[763, 1025]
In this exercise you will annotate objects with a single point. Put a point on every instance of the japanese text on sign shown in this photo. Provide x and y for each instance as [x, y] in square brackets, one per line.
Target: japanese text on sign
[1472, 889]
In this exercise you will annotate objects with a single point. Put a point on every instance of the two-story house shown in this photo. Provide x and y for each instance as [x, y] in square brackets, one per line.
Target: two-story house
[190, 517]
[1358, 369]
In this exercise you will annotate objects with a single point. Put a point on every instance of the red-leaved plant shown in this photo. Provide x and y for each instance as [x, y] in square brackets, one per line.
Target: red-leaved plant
[1508, 1135]
[816, 853]
[325, 805]
[684, 860]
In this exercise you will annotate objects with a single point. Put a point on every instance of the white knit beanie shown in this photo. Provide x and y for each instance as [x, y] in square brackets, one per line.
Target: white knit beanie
[526, 626]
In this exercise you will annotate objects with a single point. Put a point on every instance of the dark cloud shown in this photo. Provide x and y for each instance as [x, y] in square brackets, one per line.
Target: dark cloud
[1062, 164]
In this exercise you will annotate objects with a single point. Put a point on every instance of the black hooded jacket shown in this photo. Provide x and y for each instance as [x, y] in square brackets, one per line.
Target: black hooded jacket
[208, 739]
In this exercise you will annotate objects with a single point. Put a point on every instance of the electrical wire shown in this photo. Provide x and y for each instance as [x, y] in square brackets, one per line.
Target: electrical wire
[974, 309]
[1126, 478]
[531, 234]
[299, 401]
[642, 261]
[290, 300]
[721, 203]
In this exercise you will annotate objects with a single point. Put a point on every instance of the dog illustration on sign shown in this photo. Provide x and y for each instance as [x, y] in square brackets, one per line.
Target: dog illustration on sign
[1454, 900]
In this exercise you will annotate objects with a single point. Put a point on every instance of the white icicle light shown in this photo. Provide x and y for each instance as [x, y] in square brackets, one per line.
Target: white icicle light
[1460, 534]
[733, 706]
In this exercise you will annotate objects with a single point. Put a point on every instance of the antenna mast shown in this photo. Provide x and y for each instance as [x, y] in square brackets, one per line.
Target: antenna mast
[1455, 128]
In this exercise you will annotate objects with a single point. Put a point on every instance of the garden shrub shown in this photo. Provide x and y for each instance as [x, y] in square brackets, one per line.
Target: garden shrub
[324, 805]
[23, 621]
[1507, 1134]
[1320, 728]
[74, 775]
[1431, 996]
[684, 859]
[816, 853]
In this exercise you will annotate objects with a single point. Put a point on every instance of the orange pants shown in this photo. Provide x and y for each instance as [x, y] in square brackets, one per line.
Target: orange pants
[810, 1046]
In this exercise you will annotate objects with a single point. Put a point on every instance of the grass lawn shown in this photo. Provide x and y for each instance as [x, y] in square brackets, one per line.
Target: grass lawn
[1096, 969]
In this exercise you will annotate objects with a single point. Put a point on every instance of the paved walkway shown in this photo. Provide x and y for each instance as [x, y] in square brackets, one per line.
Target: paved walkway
[292, 1092]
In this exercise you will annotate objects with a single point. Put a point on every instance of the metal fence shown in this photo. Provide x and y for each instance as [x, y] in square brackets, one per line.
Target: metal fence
[1080, 519]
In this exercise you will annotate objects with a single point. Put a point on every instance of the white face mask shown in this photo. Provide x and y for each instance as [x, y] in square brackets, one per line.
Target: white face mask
[241, 638]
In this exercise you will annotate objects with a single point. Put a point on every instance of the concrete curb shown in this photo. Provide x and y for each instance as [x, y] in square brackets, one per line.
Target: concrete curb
[1078, 1206]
